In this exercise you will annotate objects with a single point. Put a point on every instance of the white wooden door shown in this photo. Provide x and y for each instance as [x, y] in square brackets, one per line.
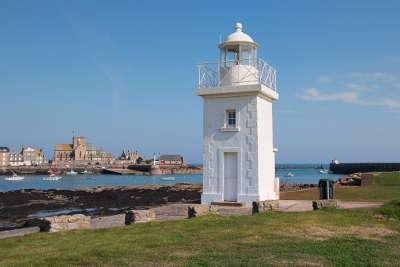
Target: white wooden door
[230, 176]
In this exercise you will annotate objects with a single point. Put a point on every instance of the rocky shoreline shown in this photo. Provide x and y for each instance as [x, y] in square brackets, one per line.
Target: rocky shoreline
[20, 207]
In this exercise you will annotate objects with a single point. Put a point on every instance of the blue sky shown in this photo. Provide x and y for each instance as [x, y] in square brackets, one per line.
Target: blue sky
[123, 74]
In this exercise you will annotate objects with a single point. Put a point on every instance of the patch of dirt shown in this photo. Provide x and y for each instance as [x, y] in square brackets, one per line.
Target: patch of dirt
[183, 254]
[375, 233]
[251, 239]
[322, 233]
[300, 261]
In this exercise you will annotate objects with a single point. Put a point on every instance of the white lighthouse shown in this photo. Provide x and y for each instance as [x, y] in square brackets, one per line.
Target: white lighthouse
[238, 154]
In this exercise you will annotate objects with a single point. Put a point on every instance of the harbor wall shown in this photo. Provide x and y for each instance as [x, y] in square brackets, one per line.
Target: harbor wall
[348, 168]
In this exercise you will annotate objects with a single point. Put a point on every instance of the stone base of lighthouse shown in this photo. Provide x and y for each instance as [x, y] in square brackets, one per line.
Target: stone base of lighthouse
[247, 200]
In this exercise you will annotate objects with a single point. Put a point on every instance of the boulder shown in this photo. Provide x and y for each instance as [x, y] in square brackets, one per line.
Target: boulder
[324, 203]
[198, 210]
[140, 216]
[67, 222]
[265, 206]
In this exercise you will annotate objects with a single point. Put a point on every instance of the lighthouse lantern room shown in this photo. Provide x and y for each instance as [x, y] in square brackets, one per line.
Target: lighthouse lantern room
[238, 154]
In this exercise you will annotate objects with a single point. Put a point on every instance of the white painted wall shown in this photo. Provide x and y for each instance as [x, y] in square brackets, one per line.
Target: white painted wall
[266, 156]
[217, 141]
[252, 140]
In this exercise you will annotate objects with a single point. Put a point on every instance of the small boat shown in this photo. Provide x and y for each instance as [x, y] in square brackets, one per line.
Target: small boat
[52, 177]
[289, 174]
[14, 177]
[71, 172]
[323, 171]
[168, 178]
[86, 172]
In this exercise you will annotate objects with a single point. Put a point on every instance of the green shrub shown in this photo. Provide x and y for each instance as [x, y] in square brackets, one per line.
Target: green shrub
[391, 209]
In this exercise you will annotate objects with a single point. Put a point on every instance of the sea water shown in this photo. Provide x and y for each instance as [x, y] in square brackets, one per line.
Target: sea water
[303, 174]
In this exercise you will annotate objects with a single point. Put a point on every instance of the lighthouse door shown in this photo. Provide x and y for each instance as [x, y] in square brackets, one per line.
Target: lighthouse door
[230, 176]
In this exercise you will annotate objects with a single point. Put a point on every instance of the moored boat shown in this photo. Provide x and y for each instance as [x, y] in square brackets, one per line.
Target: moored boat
[14, 177]
[170, 178]
[71, 172]
[52, 177]
[86, 172]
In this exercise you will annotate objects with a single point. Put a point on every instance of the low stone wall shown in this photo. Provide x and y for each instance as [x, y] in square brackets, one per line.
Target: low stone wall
[324, 203]
[140, 216]
[168, 212]
[265, 206]
[199, 210]
[19, 232]
[66, 222]
[108, 221]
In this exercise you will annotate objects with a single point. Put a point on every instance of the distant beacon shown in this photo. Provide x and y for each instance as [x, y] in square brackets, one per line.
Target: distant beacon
[238, 152]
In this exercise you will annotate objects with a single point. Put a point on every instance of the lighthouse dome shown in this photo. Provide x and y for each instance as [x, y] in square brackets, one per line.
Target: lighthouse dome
[238, 36]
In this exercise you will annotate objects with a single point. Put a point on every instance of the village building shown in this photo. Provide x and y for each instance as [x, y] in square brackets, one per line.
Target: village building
[238, 153]
[16, 159]
[128, 157]
[131, 156]
[28, 156]
[80, 153]
[170, 160]
[4, 157]
[32, 156]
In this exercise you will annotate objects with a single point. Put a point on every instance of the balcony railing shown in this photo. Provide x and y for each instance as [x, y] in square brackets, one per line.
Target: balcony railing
[231, 73]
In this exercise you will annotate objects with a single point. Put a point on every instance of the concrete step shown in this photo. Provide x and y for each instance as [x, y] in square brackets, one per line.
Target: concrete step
[227, 204]
[229, 211]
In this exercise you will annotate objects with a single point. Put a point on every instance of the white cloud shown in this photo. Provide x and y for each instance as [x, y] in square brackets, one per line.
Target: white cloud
[349, 97]
[376, 89]
[383, 102]
[313, 94]
[362, 81]
[374, 77]
[360, 87]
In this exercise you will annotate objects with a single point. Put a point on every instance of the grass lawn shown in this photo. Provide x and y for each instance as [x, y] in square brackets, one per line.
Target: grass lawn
[386, 187]
[325, 237]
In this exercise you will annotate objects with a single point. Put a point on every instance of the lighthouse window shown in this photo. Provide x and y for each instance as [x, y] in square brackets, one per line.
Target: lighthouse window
[231, 118]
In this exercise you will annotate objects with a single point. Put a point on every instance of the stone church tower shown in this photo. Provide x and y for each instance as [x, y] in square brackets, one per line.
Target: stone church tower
[238, 92]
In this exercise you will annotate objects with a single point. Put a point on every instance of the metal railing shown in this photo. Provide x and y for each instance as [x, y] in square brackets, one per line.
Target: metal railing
[248, 71]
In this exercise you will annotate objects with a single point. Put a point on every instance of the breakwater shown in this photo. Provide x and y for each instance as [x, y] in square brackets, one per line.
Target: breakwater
[348, 168]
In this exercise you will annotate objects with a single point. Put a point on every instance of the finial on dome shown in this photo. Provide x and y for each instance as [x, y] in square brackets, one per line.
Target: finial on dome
[238, 27]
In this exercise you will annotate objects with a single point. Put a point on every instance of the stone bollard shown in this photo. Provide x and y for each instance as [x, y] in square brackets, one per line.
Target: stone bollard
[198, 210]
[139, 216]
[323, 203]
[265, 206]
[66, 222]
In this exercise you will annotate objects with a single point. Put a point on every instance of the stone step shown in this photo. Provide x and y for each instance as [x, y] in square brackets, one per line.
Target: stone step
[229, 211]
[227, 204]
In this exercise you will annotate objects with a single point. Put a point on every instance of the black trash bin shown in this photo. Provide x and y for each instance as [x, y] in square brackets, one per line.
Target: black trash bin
[325, 189]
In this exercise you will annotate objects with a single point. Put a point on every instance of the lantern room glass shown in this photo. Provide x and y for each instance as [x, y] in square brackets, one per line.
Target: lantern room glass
[240, 54]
